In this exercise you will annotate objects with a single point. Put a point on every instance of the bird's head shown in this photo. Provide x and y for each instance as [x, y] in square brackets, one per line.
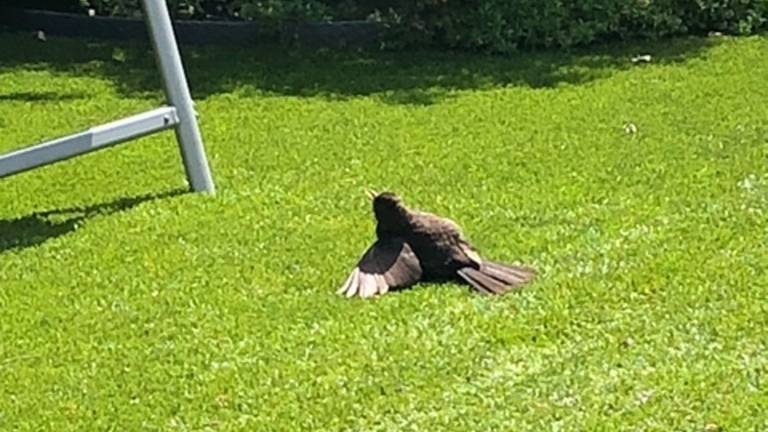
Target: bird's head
[390, 211]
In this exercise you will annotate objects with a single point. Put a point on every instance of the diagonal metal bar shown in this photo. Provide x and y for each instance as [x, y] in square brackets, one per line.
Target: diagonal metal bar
[177, 91]
[93, 139]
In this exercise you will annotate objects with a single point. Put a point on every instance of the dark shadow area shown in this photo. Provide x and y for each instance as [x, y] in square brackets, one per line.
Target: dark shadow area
[39, 227]
[419, 77]
[40, 96]
[457, 283]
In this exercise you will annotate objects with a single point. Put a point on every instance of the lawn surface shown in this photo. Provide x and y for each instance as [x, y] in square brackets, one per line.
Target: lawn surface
[127, 303]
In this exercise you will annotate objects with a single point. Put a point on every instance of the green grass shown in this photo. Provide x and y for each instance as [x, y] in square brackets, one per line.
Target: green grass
[127, 304]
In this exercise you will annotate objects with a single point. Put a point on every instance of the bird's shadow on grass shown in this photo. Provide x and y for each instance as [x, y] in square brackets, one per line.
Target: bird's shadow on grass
[435, 285]
[417, 77]
[39, 227]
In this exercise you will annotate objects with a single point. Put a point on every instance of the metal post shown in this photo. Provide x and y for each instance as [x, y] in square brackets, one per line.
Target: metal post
[177, 92]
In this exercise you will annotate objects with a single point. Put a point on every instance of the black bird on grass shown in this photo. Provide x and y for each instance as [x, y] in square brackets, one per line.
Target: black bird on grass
[414, 246]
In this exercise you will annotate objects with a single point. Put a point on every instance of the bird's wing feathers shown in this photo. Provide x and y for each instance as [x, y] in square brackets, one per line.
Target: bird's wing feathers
[423, 221]
[470, 252]
[445, 232]
[497, 278]
[387, 264]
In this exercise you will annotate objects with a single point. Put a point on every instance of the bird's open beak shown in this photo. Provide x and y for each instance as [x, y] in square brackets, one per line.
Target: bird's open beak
[371, 193]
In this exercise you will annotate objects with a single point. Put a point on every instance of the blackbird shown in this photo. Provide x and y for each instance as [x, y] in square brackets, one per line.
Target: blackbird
[414, 246]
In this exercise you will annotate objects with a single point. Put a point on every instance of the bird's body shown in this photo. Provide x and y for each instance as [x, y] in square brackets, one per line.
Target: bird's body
[438, 244]
[415, 246]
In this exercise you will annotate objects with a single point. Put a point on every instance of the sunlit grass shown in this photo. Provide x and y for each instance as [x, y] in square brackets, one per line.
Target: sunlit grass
[128, 304]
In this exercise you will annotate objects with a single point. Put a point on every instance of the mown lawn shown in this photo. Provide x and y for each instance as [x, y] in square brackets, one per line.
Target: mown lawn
[128, 304]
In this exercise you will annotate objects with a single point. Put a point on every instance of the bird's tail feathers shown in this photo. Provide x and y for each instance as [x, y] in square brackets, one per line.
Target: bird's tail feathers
[497, 278]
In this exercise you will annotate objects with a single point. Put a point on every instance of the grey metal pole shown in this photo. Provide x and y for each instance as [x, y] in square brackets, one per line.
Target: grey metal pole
[93, 139]
[177, 92]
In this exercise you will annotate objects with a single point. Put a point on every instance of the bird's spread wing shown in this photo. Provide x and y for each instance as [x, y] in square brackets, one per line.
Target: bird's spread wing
[470, 252]
[386, 264]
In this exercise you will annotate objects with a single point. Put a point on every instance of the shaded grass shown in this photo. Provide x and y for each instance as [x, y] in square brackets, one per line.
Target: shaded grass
[39, 227]
[412, 78]
[190, 312]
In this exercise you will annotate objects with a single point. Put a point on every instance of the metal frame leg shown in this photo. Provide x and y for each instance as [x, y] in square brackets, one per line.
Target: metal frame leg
[177, 92]
[180, 115]
[93, 139]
